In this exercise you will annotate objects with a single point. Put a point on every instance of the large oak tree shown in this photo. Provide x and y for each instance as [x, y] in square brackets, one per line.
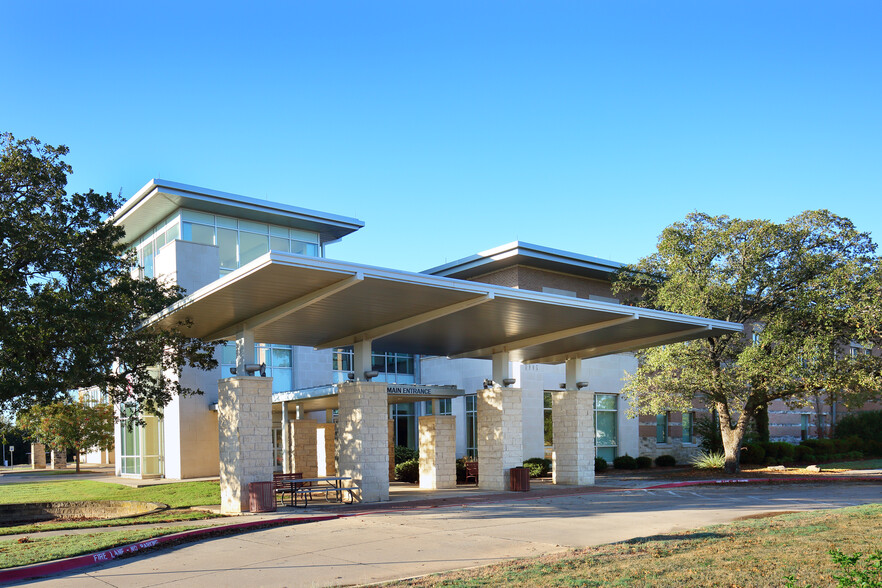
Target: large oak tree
[805, 290]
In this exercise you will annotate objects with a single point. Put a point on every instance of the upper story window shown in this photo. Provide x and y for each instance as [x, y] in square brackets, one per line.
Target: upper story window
[395, 368]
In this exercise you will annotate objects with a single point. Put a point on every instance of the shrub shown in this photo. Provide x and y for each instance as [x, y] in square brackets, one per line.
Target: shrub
[854, 455]
[600, 465]
[801, 453]
[709, 461]
[403, 454]
[665, 461]
[408, 471]
[863, 425]
[625, 462]
[753, 453]
[708, 428]
[538, 466]
[460, 470]
[643, 462]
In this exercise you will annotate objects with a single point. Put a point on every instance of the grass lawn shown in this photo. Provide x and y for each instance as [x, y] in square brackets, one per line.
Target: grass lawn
[13, 553]
[755, 552]
[162, 517]
[179, 495]
[866, 464]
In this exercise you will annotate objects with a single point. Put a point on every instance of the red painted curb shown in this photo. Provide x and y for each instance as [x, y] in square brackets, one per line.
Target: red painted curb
[766, 480]
[90, 559]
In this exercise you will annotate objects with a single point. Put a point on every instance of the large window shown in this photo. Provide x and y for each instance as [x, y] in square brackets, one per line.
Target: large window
[445, 407]
[471, 418]
[688, 426]
[547, 421]
[661, 428]
[404, 418]
[279, 361]
[395, 368]
[605, 417]
[140, 444]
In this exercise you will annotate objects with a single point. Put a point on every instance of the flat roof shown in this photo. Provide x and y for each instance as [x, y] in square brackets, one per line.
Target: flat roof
[160, 198]
[528, 254]
[291, 299]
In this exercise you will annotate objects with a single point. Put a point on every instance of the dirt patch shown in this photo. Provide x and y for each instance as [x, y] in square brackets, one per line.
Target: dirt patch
[765, 515]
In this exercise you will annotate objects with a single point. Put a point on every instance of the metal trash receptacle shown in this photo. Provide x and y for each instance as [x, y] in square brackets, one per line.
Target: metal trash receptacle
[261, 497]
[520, 479]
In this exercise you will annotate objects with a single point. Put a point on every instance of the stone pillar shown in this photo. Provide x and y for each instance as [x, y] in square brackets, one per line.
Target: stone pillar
[500, 435]
[304, 454]
[324, 444]
[59, 459]
[364, 438]
[38, 456]
[437, 452]
[245, 417]
[572, 415]
[392, 463]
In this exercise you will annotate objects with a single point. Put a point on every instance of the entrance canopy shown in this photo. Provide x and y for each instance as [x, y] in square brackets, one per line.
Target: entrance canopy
[290, 299]
[327, 397]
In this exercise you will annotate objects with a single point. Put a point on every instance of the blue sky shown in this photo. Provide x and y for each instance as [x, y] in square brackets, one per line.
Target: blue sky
[450, 128]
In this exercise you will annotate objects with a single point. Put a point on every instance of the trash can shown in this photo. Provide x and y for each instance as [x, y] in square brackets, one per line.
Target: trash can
[520, 479]
[261, 497]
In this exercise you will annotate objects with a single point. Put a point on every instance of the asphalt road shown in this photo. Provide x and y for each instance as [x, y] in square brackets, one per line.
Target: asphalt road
[385, 546]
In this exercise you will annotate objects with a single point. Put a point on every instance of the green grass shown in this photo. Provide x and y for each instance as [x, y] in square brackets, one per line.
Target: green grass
[178, 495]
[163, 517]
[13, 553]
[756, 552]
[867, 464]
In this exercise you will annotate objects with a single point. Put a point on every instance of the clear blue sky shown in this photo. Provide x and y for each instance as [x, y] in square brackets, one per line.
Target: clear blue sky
[453, 127]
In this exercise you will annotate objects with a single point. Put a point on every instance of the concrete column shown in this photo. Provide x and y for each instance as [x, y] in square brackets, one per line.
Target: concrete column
[361, 359]
[304, 455]
[244, 409]
[38, 456]
[500, 435]
[324, 444]
[286, 440]
[437, 452]
[244, 351]
[572, 414]
[501, 367]
[59, 459]
[364, 437]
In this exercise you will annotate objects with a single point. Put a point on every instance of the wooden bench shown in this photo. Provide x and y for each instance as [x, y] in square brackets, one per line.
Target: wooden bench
[471, 471]
[306, 492]
[282, 483]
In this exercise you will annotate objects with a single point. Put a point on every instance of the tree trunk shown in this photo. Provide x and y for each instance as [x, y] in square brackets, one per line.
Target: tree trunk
[732, 437]
[77, 453]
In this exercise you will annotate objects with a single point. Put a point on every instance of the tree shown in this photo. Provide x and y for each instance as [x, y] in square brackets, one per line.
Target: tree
[70, 308]
[804, 290]
[70, 425]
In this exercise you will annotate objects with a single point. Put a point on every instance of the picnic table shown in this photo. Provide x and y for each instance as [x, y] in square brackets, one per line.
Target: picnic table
[331, 486]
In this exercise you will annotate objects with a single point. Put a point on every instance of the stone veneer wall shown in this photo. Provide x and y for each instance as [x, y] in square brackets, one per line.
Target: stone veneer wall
[304, 450]
[437, 452]
[245, 438]
[327, 465]
[59, 459]
[572, 414]
[500, 435]
[682, 452]
[363, 434]
[38, 456]
[392, 463]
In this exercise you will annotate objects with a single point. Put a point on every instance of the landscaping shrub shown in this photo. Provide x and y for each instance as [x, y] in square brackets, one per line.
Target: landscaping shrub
[863, 425]
[538, 466]
[753, 453]
[403, 454]
[643, 462]
[708, 428]
[408, 471]
[802, 453]
[600, 465]
[709, 461]
[461, 470]
[665, 461]
[625, 462]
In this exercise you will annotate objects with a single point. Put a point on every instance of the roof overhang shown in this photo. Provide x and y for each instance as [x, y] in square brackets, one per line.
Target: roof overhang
[160, 198]
[291, 299]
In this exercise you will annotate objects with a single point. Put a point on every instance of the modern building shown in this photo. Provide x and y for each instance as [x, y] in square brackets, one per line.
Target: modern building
[513, 353]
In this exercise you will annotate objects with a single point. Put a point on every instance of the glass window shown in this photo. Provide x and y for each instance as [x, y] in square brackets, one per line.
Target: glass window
[253, 227]
[548, 424]
[301, 248]
[661, 428]
[226, 242]
[277, 231]
[281, 357]
[228, 354]
[227, 222]
[172, 233]
[378, 362]
[251, 247]
[197, 217]
[803, 426]
[199, 234]
[688, 422]
[605, 427]
[303, 235]
[471, 414]
[278, 244]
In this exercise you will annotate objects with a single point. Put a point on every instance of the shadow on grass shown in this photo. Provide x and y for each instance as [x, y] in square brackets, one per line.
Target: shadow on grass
[683, 537]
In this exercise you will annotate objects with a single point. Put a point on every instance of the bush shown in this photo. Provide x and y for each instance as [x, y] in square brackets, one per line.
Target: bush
[753, 453]
[538, 466]
[643, 462]
[600, 465]
[863, 425]
[403, 454]
[625, 462]
[802, 453]
[709, 461]
[408, 471]
[708, 428]
[461, 470]
[665, 461]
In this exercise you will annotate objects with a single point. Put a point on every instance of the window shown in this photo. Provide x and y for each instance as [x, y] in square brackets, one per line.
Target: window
[688, 425]
[279, 361]
[661, 428]
[395, 368]
[803, 426]
[548, 421]
[471, 414]
[277, 449]
[445, 407]
[605, 431]
[404, 419]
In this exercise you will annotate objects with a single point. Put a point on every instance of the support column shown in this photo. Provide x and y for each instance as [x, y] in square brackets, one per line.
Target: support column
[286, 441]
[38, 456]
[501, 367]
[324, 444]
[361, 359]
[244, 410]
[244, 351]
[500, 435]
[364, 438]
[59, 459]
[304, 455]
[437, 451]
[392, 463]
[572, 415]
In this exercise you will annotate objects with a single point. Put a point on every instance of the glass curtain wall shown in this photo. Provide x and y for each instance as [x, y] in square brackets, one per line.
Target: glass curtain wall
[471, 414]
[141, 447]
[606, 433]
[279, 361]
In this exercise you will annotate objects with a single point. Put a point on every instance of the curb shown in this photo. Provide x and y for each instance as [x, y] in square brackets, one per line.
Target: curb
[793, 479]
[90, 559]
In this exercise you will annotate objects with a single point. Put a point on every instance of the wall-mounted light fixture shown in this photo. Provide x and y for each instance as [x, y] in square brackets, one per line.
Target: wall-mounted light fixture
[351, 376]
[370, 375]
[508, 382]
[581, 385]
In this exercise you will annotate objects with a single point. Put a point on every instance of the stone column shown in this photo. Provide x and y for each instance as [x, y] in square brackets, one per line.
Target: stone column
[304, 454]
[572, 415]
[392, 463]
[500, 435]
[38, 456]
[324, 444]
[244, 409]
[437, 452]
[59, 459]
[364, 438]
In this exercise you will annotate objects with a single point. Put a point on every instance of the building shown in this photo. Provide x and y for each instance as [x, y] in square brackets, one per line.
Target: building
[478, 356]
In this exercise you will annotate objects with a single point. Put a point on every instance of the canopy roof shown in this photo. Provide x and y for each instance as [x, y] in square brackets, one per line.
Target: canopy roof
[290, 299]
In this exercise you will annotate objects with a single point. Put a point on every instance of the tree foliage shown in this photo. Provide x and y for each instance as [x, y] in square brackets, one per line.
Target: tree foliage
[804, 290]
[70, 425]
[70, 308]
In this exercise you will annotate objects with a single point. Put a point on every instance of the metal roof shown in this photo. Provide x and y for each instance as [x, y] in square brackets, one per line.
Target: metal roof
[160, 198]
[292, 299]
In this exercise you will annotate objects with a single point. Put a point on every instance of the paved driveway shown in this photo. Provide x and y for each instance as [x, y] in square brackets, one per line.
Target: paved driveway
[389, 545]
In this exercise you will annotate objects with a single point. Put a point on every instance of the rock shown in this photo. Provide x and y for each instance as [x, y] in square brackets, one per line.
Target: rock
[778, 468]
[813, 468]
